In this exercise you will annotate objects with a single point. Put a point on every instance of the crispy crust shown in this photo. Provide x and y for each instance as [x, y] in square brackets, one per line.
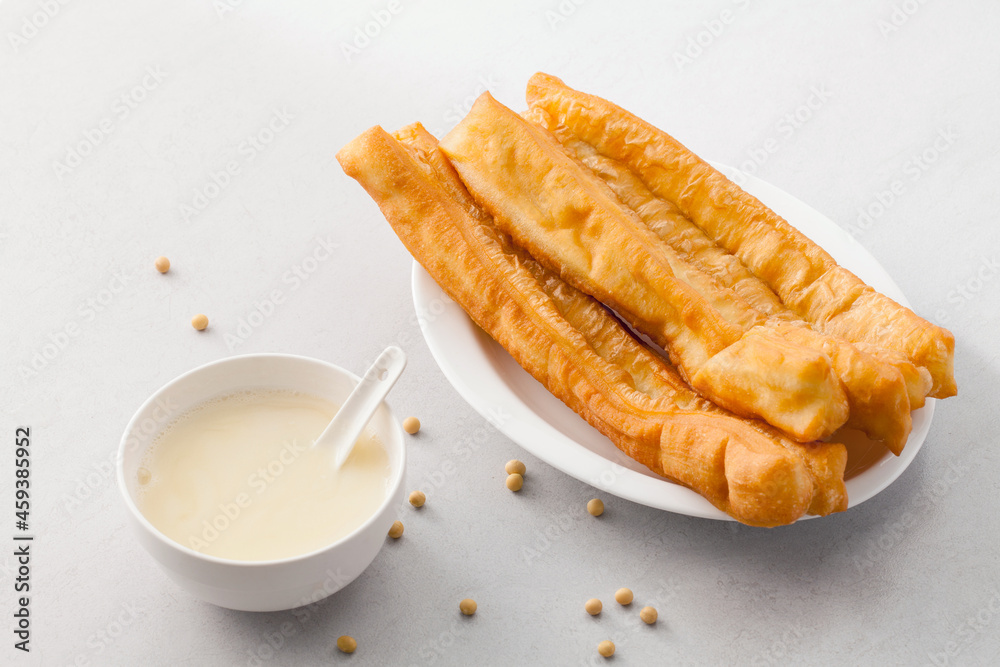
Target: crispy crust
[573, 346]
[552, 209]
[569, 220]
[802, 274]
[879, 391]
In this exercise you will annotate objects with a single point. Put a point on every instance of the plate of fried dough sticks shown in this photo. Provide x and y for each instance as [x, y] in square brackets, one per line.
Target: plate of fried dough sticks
[668, 330]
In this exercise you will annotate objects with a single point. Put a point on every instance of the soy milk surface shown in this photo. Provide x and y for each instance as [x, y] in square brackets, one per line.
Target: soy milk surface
[237, 478]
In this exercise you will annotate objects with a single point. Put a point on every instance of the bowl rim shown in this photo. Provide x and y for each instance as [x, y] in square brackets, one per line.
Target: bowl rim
[169, 542]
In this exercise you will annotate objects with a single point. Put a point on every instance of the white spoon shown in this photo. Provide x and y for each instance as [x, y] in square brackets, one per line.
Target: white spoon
[339, 437]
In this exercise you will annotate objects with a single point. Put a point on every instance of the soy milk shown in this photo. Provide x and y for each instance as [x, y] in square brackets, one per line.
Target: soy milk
[237, 478]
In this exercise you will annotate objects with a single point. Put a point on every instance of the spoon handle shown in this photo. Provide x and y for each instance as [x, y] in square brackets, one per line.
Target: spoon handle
[359, 407]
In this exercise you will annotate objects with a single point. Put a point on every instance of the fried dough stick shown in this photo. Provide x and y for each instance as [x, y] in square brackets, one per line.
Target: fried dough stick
[748, 472]
[610, 339]
[693, 245]
[568, 219]
[805, 277]
[877, 391]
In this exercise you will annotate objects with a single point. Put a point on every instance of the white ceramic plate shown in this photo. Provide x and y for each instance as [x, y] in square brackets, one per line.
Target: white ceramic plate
[514, 402]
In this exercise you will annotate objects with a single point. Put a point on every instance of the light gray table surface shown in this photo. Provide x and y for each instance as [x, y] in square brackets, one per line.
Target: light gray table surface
[117, 117]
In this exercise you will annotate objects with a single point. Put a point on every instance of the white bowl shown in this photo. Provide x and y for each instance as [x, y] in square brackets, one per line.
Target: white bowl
[258, 585]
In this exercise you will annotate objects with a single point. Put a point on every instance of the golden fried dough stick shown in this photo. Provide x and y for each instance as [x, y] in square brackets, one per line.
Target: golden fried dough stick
[693, 245]
[917, 378]
[650, 374]
[877, 390]
[645, 370]
[570, 221]
[749, 473]
[667, 221]
[802, 274]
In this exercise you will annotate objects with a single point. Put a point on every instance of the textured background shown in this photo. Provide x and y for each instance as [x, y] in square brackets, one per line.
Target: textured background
[900, 146]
